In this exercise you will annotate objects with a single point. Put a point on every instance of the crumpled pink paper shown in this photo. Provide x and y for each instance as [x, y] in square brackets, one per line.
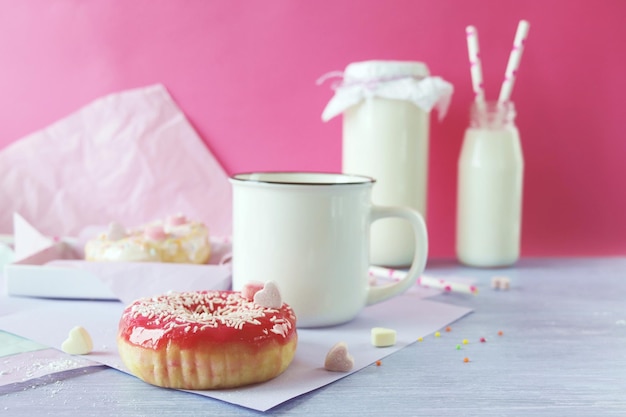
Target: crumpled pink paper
[131, 157]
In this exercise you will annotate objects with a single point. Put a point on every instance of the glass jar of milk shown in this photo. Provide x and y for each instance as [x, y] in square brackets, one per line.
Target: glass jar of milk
[386, 109]
[490, 178]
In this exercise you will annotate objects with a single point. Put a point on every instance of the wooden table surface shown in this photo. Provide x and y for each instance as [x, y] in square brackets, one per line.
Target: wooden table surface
[562, 353]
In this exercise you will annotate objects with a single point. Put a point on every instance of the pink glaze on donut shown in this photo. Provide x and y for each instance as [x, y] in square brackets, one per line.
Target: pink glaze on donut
[155, 233]
[190, 319]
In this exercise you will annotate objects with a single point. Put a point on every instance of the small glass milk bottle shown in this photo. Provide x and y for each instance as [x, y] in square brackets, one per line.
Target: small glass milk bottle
[386, 109]
[490, 178]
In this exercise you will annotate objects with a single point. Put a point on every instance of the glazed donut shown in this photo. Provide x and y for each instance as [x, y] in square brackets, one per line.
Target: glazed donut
[208, 339]
[176, 239]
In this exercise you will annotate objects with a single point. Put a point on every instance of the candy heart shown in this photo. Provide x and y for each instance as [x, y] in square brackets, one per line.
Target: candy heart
[177, 220]
[155, 233]
[500, 283]
[338, 359]
[78, 343]
[116, 231]
[382, 337]
[250, 289]
[269, 296]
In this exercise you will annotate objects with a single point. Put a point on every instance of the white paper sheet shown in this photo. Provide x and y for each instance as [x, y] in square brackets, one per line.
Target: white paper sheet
[49, 321]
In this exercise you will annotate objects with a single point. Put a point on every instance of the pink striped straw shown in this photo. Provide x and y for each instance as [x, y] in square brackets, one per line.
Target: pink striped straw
[424, 281]
[514, 61]
[476, 71]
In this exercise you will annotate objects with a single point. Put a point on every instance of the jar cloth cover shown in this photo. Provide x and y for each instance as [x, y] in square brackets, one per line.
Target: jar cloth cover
[399, 80]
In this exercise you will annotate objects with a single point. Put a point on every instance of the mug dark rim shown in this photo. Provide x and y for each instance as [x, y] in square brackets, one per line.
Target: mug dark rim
[324, 178]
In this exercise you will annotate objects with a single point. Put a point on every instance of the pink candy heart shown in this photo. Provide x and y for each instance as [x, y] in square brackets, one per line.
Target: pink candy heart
[177, 220]
[269, 296]
[338, 359]
[155, 233]
[250, 289]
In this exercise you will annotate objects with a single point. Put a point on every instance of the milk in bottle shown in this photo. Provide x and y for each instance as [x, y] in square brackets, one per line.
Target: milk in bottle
[489, 197]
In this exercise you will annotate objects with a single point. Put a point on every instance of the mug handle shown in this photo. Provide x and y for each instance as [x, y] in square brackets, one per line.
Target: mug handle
[376, 294]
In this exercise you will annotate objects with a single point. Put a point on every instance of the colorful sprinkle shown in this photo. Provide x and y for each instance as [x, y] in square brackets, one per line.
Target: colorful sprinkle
[378, 363]
[466, 360]
[483, 340]
[437, 334]
[448, 329]
[420, 339]
[500, 333]
[465, 341]
[458, 347]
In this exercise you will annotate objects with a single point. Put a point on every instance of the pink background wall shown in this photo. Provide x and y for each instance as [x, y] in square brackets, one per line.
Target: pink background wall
[244, 72]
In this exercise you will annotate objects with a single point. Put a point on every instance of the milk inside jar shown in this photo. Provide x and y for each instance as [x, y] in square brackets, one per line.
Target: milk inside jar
[490, 179]
[386, 118]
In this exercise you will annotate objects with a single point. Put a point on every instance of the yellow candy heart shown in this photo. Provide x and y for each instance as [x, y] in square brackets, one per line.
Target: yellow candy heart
[78, 342]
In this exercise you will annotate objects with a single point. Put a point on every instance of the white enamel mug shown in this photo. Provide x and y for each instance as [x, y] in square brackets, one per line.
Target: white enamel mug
[310, 234]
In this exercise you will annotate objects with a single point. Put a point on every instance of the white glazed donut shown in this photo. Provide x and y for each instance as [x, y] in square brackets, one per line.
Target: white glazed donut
[176, 239]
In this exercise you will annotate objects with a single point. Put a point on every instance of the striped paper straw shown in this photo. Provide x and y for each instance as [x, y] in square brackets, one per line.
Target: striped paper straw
[425, 281]
[476, 70]
[514, 61]
[447, 286]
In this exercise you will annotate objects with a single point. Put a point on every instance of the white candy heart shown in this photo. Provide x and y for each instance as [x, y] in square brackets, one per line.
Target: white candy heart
[78, 342]
[116, 231]
[269, 296]
[338, 359]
